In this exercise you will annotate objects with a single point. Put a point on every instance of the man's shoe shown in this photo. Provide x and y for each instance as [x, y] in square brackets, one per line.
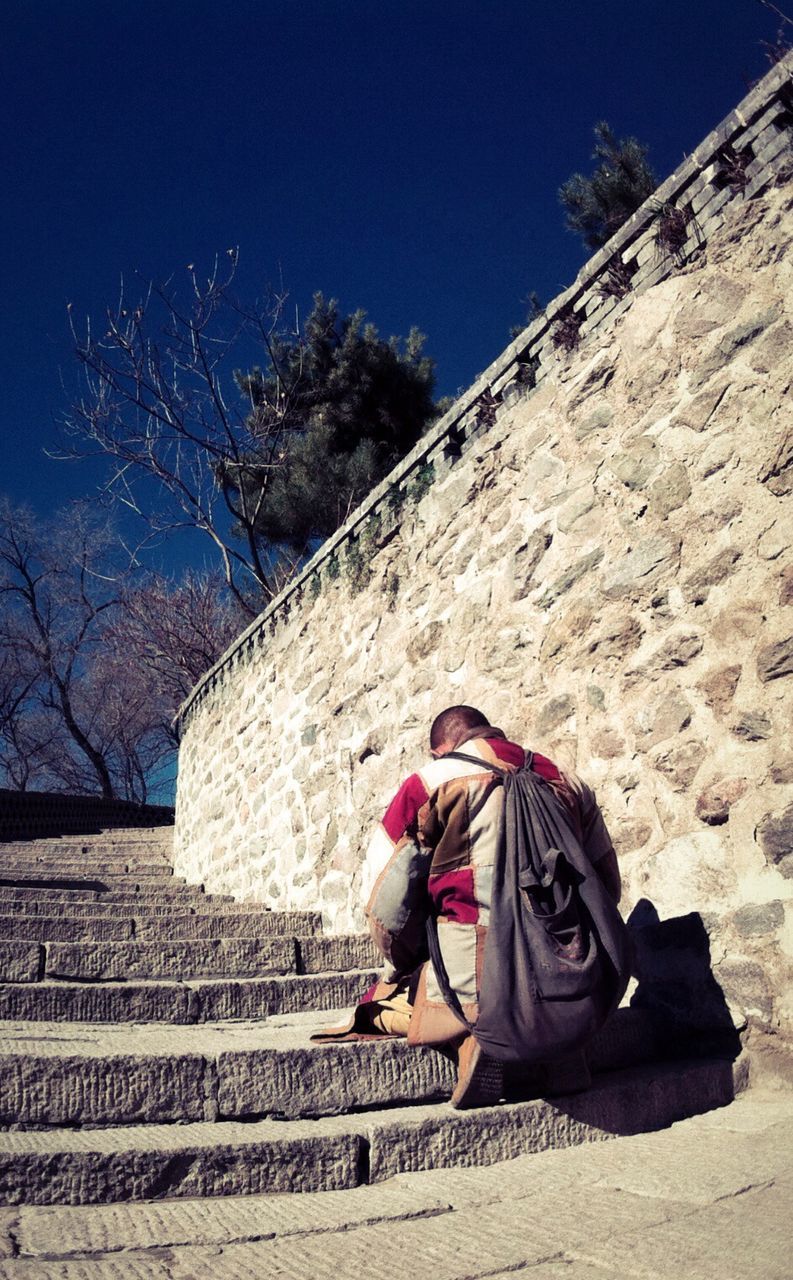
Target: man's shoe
[480, 1079]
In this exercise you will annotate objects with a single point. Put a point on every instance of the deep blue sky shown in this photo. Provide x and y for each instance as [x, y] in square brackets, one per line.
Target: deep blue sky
[402, 155]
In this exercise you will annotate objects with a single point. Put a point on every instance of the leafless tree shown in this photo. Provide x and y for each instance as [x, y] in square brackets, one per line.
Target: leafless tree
[175, 630]
[95, 655]
[160, 401]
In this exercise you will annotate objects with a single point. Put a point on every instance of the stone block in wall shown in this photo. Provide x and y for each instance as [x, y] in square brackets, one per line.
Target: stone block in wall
[698, 584]
[641, 569]
[581, 568]
[775, 835]
[759, 918]
[714, 803]
[774, 161]
[775, 660]
[719, 688]
[747, 135]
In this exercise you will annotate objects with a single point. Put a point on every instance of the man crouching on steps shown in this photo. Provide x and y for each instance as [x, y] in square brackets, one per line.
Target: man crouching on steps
[434, 853]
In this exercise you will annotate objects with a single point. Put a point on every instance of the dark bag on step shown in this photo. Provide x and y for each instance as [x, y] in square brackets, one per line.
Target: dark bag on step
[556, 961]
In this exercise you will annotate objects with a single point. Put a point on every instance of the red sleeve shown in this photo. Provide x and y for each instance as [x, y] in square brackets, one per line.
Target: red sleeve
[403, 810]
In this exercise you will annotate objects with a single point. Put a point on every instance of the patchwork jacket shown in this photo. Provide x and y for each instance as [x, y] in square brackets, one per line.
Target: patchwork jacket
[434, 852]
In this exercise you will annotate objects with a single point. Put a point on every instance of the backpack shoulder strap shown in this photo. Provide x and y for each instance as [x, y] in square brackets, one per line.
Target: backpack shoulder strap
[486, 764]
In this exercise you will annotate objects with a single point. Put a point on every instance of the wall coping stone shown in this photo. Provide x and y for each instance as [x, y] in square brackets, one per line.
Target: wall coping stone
[767, 107]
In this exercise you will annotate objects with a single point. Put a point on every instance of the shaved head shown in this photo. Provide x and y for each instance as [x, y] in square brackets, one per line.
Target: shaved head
[454, 724]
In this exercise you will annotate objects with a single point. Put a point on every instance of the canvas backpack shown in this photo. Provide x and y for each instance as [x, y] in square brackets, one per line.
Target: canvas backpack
[556, 958]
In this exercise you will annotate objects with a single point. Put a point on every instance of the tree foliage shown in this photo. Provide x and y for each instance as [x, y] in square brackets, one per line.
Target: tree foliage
[356, 405]
[261, 462]
[597, 206]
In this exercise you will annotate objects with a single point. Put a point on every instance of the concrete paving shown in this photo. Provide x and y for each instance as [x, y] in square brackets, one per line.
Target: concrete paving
[712, 1196]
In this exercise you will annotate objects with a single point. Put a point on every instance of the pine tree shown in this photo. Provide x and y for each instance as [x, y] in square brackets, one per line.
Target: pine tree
[332, 413]
[597, 206]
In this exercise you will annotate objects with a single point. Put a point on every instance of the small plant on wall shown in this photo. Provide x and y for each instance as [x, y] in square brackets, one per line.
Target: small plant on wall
[566, 334]
[673, 229]
[732, 168]
[421, 482]
[617, 282]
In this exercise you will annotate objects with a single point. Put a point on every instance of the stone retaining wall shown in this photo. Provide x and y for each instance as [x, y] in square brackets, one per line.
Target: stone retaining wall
[602, 562]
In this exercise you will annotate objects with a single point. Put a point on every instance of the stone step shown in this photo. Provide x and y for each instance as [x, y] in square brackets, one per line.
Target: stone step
[102, 881]
[145, 836]
[45, 868]
[192, 1001]
[115, 876]
[147, 1162]
[160, 896]
[205, 905]
[27, 961]
[51, 1074]
[96, 928]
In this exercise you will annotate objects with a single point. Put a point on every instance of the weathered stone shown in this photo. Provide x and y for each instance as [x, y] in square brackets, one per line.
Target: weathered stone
[129, 1164]
[786, 587]
[753, 727]
[567, 630]
[575, 511]
[634, 467]
[680, 763]
[714, 458]
[426, 642]
[665, 718]
[775, 660]
[640, 569]
[645, 381]
[630, 834]
[775, 833]
[578, 570]
[717, 569]
[746, 985]
[670, 491]
[714, 803]
[689, 869]
[616, 639]
[19, 961]
[733, 340]
[718, 689]
[599, 417]
[320, 955]
[108, 1090]
[526, 560]
[64, 929]
[596, 697]
[596, 376]
[777, 471]
[712, 307]
[329, 1079]
[607, 744]
[262, 924]
[613, 1108]
[698, 412]
[678, 651]
[759, 918]
[772, 348]
[782, 771]
[553, 713]
[111, 961]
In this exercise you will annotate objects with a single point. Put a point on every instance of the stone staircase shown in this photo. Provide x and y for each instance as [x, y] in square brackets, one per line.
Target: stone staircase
[155, 1042]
